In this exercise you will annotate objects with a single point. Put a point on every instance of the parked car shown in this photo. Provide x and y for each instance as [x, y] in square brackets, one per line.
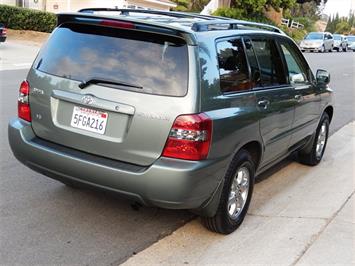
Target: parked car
[170, 109]
[351, 43]
[340, 43]
[3, 33]
[317, 42]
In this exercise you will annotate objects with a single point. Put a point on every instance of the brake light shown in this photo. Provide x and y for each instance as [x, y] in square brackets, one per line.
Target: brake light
[189, 138]
[23, 105]
[117, 24]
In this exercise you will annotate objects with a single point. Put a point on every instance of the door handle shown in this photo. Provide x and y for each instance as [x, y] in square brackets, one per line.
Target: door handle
[299, 98]
[263, 103]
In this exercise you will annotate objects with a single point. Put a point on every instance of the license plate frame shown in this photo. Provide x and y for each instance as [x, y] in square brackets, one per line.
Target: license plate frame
[88, 119]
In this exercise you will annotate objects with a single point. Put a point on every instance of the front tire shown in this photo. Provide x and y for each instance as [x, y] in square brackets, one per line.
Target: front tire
[236, 195]
[313, 153]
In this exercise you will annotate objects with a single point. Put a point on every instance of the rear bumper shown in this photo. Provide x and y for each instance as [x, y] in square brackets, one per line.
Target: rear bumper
[168, 183]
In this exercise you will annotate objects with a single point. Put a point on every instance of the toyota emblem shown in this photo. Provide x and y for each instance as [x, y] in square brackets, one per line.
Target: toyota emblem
[87, 99]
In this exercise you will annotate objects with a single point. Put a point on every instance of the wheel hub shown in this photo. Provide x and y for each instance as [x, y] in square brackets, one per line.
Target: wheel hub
[321, 141]
[239, 192]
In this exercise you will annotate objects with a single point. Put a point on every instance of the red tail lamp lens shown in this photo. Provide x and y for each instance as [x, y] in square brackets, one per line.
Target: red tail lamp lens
[23, 105]
[189, 138]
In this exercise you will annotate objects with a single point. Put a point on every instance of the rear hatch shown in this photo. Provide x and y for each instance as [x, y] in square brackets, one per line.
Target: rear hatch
[113, 92]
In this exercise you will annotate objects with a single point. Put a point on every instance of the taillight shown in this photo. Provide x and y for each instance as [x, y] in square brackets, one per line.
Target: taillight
[189, 137]
[23, 105]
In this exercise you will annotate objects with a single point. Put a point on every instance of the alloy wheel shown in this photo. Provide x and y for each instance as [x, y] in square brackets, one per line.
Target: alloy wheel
[239, 192]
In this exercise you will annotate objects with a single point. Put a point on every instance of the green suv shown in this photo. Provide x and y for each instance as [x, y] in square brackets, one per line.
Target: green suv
[169, 109]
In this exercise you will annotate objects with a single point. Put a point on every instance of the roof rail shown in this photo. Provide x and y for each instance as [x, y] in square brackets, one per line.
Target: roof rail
[208, 23]
[125, 11]
[231, 24]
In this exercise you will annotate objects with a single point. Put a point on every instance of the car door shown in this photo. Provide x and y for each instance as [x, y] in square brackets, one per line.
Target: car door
[330, 41]
[306, 94]
[274, 97]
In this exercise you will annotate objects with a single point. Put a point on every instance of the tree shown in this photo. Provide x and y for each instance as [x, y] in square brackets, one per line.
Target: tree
[343, 27]
[281, 3]
[309, 10]
[182, 5]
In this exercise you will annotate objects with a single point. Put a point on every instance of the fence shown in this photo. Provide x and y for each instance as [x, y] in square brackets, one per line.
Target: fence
[291, 23]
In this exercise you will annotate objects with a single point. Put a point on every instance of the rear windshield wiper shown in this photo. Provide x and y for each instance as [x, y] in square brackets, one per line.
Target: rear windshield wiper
[86, 83]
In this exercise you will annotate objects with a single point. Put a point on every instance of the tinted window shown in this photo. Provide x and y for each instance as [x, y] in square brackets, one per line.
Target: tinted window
[158, 64]
[233, 68]
[297, 69]
[271, 66]
[253, 63]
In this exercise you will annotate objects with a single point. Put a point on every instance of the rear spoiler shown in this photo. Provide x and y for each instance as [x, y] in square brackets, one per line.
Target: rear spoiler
[136, 24]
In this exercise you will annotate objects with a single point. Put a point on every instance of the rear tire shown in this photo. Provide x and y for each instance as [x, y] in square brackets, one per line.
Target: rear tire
[233, 207]
[313, 153]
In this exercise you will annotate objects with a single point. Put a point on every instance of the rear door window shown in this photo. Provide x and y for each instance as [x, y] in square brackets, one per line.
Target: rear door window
[272, 71]
[233, 67]
[253, 63]
[157, 63]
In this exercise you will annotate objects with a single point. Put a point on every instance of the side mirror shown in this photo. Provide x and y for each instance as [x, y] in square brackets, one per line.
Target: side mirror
[323, 77]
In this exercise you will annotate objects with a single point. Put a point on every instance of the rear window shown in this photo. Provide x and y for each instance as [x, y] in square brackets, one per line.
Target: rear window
[157, 63]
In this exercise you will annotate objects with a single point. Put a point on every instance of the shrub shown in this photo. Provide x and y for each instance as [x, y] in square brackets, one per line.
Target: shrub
[19, 18]
[237, 13]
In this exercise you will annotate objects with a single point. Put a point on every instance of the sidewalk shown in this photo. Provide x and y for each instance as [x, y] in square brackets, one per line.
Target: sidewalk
[307, 218]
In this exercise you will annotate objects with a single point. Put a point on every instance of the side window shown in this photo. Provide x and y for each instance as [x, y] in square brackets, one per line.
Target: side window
[297, 69]
[233, 67]
[271, 67]
[253, 63]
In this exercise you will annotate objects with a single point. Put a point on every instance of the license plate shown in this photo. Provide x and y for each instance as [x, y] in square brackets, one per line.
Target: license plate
[89, 120]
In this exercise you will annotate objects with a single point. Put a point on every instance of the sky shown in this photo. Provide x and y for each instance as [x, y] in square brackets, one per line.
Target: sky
[341, 6]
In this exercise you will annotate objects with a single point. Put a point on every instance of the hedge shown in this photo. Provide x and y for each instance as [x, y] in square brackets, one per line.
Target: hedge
[19, 18]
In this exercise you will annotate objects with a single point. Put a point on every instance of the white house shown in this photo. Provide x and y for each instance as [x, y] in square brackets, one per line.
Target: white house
[74, 5]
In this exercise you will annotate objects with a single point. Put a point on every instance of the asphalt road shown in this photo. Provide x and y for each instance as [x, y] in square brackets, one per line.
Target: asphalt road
[45, 222]
[341, 67]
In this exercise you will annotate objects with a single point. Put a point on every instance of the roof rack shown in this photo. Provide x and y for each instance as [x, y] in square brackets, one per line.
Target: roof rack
[230, 25]
[125, 11]
[209, 22]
